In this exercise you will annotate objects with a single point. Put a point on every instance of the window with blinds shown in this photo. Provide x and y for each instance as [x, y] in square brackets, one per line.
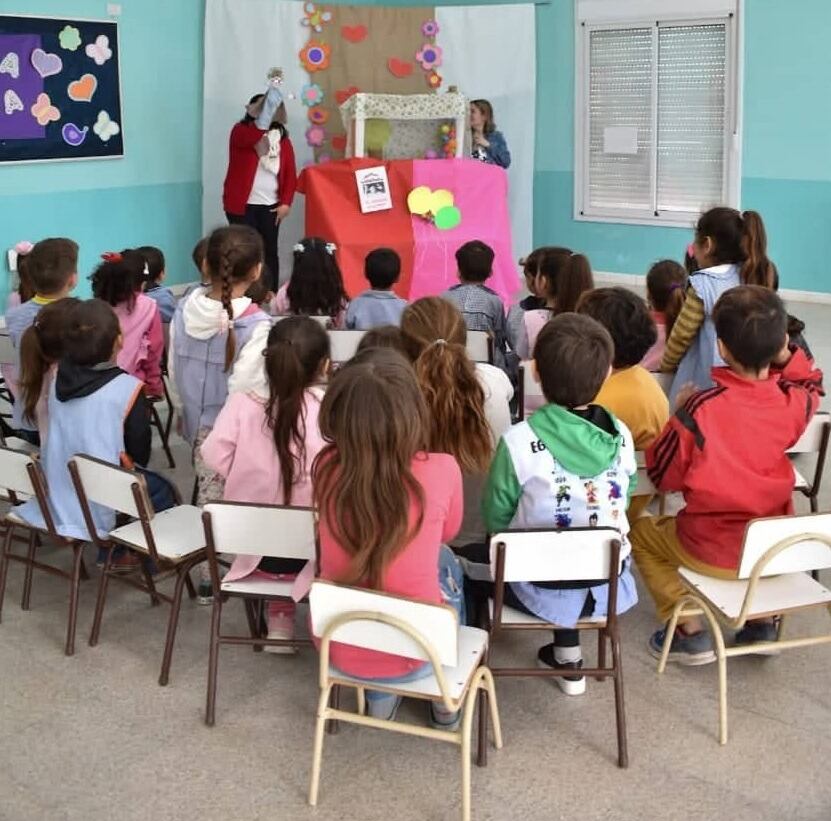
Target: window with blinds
[656, 120]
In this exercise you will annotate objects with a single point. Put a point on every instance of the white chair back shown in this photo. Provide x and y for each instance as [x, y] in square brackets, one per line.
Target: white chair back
[324, 321]
[14, 472]
[811, 440]
[763, 534]
[262, 530]
[109, 485]
[531, 389]
[437, 623]
[555, 555]
[343, 345]
[478, 346]
[644, 486]
[664, 380]
[7, 352]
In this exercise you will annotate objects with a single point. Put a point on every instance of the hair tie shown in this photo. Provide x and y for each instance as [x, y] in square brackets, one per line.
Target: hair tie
[439, 341]
[111, 256]
[331, 248]
[23, 247]
[298, 248]
[146, 271]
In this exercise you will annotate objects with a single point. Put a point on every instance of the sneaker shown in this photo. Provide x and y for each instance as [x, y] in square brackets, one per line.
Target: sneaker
[689, 650]
[205, 592]
[384, 707]
[441, 719]
[280, 627]
[126, 563]
[570, 685]
[759, 632]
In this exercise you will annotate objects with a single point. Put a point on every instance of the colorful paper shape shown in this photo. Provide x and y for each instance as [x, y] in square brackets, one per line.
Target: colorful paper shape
[399, 68]
[10, 65]
[82, 90]
[434, 80]
[429, 56]
[318, 115]
[311, 94]
[419, 200]
[315, 56]
[43, 110]
[45, 63]
[429, 28]
[315, 17]
[11, 102]
[339, 142]
[105, 127]
[69, 38]
[441, 198]
[354, 34]
[72, 135]
[344, 94]
[377, 134]
[315, 136]
[100, 50]
[449, 217]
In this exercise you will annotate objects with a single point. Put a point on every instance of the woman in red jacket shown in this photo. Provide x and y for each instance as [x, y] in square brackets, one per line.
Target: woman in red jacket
[262, 176]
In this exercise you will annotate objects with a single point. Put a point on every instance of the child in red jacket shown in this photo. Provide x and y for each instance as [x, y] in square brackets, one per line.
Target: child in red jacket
[725, 450]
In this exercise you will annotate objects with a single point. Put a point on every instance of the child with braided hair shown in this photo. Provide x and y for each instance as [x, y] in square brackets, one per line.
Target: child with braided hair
[216, 341]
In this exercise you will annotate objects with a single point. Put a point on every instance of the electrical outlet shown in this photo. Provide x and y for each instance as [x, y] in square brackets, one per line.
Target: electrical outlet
[114, 9]
[11, 258]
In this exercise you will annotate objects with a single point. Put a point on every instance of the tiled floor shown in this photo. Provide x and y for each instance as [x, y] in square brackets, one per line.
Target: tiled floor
[94, 737]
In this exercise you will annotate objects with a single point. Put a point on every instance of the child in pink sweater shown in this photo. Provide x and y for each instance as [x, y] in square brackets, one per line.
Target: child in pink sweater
[118, 280]
[263, 444]
[386, 506]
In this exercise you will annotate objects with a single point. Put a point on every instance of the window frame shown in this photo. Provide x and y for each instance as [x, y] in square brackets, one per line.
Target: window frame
[669, 14]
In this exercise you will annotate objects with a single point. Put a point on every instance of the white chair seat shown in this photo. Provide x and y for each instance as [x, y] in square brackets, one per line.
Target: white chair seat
[258, 587]
[16, 443]
[799, 481]
[774, 594]
[512, 617]
[472, 645]
[178, 533]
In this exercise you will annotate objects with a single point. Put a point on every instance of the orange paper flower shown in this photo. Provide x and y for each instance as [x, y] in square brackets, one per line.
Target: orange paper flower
[434, 79]
[315, 56]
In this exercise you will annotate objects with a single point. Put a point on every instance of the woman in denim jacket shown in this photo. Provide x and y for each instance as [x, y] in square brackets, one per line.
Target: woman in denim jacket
[488, 144]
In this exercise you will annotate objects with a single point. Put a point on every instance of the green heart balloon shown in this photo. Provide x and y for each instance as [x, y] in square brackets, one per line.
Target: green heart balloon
[448, 217]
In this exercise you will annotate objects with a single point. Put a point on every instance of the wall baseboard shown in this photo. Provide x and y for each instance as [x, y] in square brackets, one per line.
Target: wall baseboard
[638, 281]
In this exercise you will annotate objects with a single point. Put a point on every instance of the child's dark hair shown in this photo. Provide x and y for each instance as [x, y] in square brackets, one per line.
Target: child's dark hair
[297, 347]
[231, 254]
[738, 239]
[475, 261]
[275, 122]
[155, 262]
[573, 354]
[384, 336]
[316, 284]
[531, 263]
[119, 278]
[666, 282]
[90, 333]
[751, 322]
[258, 291]
[41, 345]
[25, 287]
[625, 316]
[198, 254]
[51, 264]
[567, 277]
[382, 268]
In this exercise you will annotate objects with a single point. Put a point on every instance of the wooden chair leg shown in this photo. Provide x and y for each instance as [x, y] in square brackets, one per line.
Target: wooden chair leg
[194, 494]
[74, 584]
[27, 580]
[172, 624]
[601, 653]
[190, 588]
[155, 601]
[213, 661]
[317, 757]
[170, 412]
[482, 739]
[84, 571]
[251, 615]
[4, 564]
[620, 709]
[157, 423]
[99, 602]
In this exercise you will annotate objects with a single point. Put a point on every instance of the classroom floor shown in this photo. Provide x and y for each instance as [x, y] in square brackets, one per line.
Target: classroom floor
[94, 737]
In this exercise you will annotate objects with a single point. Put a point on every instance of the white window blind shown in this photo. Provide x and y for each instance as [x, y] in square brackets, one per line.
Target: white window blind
[655, 107]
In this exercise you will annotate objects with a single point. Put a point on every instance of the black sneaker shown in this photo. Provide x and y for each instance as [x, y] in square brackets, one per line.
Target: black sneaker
[689, 650]
[570, 685]
[759, 632]
[205, 593]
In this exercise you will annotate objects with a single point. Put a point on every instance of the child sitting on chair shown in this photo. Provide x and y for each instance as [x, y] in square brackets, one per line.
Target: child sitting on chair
[378, 305]
[725, 450]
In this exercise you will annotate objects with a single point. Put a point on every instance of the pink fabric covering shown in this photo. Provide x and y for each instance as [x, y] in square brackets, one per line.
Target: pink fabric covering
[141, 353]
[481, 194]
[652, 360]
[241, 449]
[414, 571]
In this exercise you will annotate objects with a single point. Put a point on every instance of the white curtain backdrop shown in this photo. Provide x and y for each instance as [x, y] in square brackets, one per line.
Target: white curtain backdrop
[489, 51]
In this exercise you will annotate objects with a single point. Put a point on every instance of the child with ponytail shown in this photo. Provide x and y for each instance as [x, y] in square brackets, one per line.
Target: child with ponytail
[730, 249]
[216, 341]
[316, 284]
[119, 280]
[665, 285]
[263, 445]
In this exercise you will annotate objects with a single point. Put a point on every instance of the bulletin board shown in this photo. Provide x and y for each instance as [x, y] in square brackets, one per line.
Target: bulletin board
[60, 93]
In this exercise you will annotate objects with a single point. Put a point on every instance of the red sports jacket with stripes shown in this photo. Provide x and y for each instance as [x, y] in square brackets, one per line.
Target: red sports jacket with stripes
[725, 451]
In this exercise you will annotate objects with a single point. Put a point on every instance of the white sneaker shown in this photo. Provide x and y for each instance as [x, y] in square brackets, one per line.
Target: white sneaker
[570, 685]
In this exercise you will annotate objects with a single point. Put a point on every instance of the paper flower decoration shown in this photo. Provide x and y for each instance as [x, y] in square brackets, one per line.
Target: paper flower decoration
[318, 115]
[315, 17]
[311, 94]
[434, 79]
[429, 56]
[315, 56]
[429, 28]
[69, 38]
[323, 158]
[315, 136]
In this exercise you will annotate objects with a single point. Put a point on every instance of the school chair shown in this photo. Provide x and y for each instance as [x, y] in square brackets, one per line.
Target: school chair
[814, 441]
[529, 391]
[252, 530]
[343, 345]
[664, 380]
[480, 346]
[537, 555]
[405, 627]
[321, 319]
[772, 580]
[163, 429]
[7, 357]
[171, 542]
[22, 477]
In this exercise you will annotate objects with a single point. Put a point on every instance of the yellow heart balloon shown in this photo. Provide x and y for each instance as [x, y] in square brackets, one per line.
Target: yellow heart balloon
[441, 198]
[419, 200]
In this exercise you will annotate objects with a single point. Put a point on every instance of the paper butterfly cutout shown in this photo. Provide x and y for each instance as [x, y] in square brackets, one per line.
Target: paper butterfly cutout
[105, 127]
[100, 50]
[11, 102]
[10, 65]
[43, 110]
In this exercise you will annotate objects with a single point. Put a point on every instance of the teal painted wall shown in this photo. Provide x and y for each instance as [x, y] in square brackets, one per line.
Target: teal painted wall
[151, 196]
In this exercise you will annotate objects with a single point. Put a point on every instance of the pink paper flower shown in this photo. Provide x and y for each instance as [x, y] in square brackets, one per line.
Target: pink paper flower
[429, 28]
[315, 136]
[429, 56]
